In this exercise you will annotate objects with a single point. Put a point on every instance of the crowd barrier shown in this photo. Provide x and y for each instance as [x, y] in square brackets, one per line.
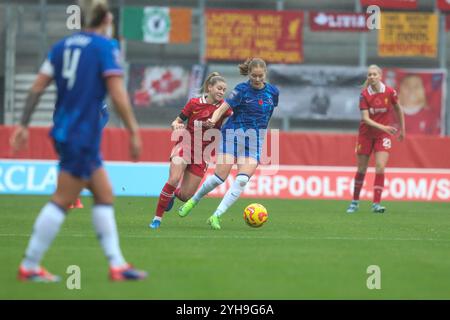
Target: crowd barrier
[295, 148]
[283, 182]
[312, 166]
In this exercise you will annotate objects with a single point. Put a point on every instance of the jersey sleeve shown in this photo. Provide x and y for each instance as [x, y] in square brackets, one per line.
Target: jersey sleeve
[363, 103]
[394, 97]
[110, 60]
[187, 110]
[47, 66]
[275, 95]
[235, 97]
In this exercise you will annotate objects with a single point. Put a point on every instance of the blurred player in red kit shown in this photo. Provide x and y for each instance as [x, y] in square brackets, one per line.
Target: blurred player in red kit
[375, 132]
[184, 167]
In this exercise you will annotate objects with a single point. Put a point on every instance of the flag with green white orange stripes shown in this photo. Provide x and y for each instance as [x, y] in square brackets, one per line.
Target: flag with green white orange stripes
[157, 24]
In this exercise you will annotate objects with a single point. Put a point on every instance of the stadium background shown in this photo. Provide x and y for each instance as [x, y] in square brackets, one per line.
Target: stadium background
[162, 76]
[310, 249]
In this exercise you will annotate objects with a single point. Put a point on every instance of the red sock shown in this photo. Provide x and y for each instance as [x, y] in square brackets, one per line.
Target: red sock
[378, 186]
[164, 199]
[359, 181]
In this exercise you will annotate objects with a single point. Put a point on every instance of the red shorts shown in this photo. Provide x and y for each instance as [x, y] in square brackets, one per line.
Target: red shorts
[198, 169]
[367, 144]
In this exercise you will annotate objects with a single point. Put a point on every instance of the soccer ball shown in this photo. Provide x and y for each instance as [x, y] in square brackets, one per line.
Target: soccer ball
[255, 215]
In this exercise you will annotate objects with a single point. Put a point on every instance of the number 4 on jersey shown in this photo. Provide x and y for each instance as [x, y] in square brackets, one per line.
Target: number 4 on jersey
[70, 65]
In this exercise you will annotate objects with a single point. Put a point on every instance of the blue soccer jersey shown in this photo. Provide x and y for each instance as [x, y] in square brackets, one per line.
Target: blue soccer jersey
[78, 64]
[252, 108]
[243, 134]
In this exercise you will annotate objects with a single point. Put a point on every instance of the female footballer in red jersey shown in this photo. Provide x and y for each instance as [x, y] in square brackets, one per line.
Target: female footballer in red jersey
[184, 166]
[376, 103]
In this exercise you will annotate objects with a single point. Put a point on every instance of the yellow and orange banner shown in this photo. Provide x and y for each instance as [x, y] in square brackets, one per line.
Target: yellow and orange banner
[234, 35]
[408, 35]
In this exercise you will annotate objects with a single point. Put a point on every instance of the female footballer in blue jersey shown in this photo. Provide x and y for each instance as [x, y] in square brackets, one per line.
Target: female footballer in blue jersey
[84, 67]
[243, 135]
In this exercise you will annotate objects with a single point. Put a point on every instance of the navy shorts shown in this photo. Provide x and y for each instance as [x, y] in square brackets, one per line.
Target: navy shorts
[80, 162]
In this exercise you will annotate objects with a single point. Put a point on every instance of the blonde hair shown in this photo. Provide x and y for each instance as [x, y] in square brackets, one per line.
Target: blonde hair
[246, 67]
[372, 66]
[93, 12]
[211, 80]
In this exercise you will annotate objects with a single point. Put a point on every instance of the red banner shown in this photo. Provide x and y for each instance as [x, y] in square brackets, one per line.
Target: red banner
[337, 21]
[298, 182]
[421, 95]
[235, 35]
[443, 5]
[391, 4]
[417, 151]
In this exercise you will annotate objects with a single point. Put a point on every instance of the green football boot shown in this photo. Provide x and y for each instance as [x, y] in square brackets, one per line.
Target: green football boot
[186, 208]
[214, 222]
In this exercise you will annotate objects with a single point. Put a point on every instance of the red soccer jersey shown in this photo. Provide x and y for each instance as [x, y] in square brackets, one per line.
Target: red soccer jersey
[198, 110]
[380, 106]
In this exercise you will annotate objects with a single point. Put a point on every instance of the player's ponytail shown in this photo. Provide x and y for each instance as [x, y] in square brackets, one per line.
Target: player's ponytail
[249, 64]
[211, 80]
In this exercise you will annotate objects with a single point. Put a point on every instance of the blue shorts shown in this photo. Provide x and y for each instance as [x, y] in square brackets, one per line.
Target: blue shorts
[80, 162]
[240, 144]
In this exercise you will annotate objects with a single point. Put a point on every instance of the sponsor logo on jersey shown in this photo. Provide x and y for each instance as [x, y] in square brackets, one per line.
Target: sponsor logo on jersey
[377, 110]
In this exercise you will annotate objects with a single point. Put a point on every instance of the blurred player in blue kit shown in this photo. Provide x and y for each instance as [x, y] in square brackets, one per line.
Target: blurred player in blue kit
[104, 120]
[85, 66]
[253, 103]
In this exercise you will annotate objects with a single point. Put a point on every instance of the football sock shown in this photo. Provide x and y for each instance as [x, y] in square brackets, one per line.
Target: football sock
[164, 198]
[210, 183]
[106, 229]
[232, 194]
[45, 229]
[378, 186]
[359, 181]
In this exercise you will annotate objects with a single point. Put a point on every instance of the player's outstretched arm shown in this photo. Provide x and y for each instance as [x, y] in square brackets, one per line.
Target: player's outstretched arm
[122, 104]
[217, 115]
[20, 136]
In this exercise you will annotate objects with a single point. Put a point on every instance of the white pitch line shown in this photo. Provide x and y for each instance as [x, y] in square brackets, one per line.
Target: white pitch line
[159, 236]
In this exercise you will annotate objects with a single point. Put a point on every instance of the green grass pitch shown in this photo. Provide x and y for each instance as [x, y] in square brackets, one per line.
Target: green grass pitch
[307, 250]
